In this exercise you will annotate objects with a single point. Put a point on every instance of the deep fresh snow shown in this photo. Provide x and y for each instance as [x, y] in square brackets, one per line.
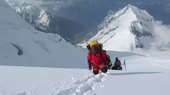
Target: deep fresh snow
[20, 45]
[144, 76]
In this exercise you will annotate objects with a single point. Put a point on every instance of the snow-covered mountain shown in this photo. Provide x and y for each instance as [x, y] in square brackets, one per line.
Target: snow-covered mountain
[76, 19]
[20, 44]
[127, 29]
[44, 16]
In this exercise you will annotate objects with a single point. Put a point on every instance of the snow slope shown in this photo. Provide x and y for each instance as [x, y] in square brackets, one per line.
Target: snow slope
[129, 29]
[144, 76]
[22, 45]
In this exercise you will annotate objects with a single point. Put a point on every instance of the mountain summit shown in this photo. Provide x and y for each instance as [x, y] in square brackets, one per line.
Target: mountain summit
[126, 29]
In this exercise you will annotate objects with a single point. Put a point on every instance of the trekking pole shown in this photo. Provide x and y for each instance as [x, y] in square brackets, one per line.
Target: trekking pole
[125, 65]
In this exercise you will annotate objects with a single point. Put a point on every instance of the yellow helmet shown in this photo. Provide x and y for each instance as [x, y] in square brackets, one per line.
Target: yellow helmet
[93, 42]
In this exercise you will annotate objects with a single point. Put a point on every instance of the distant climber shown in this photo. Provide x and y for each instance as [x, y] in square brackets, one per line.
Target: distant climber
[117, 65]
[97, 58]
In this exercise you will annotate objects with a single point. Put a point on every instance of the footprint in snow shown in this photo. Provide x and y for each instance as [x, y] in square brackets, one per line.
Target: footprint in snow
[82, 87]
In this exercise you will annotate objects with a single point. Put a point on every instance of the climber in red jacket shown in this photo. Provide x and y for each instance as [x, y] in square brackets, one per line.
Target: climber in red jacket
[97, 58]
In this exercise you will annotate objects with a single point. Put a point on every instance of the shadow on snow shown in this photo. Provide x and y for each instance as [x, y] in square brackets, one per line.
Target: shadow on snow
[134, 73]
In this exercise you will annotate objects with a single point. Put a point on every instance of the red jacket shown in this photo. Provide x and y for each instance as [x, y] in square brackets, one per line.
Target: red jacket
[97, 60]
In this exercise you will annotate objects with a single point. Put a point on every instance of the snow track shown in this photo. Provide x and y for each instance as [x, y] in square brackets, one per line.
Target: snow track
[83, 87]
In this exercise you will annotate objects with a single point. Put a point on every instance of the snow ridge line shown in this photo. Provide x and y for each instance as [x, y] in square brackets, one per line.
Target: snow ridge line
[83, 86]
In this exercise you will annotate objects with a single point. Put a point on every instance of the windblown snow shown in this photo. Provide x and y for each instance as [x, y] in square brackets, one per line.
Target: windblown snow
[21, 45]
